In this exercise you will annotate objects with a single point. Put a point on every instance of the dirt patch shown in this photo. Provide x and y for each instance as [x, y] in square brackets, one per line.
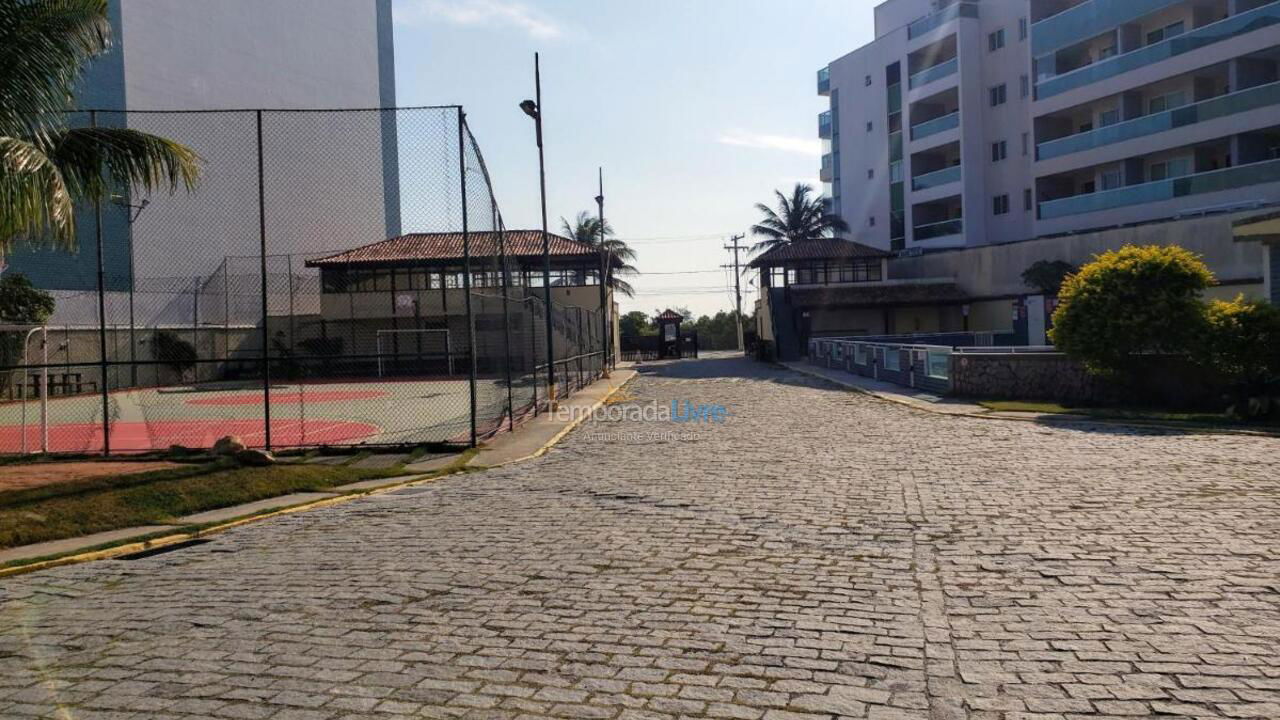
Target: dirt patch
[22, 476]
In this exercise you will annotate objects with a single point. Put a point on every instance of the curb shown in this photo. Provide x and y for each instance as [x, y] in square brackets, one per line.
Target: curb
[1047, 418]
[555, 439]
[180, 537]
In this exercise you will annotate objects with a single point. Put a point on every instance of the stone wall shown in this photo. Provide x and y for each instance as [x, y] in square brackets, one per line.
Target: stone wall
[1053, 377]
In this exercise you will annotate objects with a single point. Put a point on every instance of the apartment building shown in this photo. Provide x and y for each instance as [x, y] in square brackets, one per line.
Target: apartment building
[991, 121]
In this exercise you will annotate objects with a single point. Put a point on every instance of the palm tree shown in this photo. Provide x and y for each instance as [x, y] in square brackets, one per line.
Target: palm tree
[585, 228]
[46, 167]
[798, 218]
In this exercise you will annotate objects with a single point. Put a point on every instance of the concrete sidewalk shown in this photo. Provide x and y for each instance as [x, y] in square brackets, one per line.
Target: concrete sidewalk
[919, 399]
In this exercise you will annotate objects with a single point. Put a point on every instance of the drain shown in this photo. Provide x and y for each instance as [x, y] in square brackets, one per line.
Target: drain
[163, 549]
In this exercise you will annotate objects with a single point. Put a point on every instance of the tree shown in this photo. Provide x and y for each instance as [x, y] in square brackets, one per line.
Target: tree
[21, 303]
[585, 228]
[1131, 301]
[46, 167]
[1047, 276]
[1242, 343]
[175, 353]
[635, 324]
[798, 218]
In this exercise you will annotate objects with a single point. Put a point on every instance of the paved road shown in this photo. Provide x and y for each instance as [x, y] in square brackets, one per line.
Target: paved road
[820, 554]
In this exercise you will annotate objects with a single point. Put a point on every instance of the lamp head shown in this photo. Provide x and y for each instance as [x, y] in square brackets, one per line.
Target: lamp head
[530, 108]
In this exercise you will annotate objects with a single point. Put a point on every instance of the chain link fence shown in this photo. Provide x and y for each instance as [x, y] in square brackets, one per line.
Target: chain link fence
[338, 278]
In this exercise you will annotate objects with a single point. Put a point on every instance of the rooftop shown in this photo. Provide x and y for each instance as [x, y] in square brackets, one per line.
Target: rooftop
[416, 247]
[823, 249]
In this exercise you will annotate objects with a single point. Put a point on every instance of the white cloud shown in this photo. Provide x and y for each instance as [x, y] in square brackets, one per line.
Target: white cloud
[760, 141]
[479, 13]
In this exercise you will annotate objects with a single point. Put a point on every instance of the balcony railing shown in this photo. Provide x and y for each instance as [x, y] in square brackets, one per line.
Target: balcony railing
[1206, 182]
[938, 178]
[937, 230]
[929, 23]
[1221, 106]
[1088, 20]
[937, 72]
[824, 81]
[895, 98]
[825, 125]
[1227, 29]
[935, 126]
[828, 171]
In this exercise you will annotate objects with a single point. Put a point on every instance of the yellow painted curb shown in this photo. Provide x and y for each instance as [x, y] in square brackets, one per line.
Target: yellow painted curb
[167, 540]
[564, 431]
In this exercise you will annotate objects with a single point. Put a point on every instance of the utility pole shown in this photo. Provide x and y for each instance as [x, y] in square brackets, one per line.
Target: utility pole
[737, 285]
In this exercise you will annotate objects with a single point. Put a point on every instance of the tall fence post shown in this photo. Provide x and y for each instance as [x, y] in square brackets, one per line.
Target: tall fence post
[506, 312]
[102, 315]
[266, 332]
[466, 271]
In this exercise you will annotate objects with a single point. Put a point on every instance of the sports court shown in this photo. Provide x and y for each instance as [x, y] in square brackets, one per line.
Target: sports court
[409, 411]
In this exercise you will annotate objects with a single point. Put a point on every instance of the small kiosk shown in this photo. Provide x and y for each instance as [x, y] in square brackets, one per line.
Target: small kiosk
[669, 338]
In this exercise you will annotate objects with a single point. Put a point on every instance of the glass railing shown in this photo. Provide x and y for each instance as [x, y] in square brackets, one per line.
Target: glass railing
[895, 146]
[824, 125]
[1227, 29]
[929, 23]
[937, 230]
[1221, 106]
[938, 178]
[895, 98]
[935, 126]
[1198, 184]
[824, 81]
[827, 173]
[937, 72]
[1088, 20]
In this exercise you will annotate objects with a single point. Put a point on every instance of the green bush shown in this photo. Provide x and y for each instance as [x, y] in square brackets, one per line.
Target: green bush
[1242, 343]
[1128, 302]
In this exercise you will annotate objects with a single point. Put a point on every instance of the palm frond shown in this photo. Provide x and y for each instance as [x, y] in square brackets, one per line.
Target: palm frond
[44, 45]
[34, 196]
[622, 286]
[97, 161]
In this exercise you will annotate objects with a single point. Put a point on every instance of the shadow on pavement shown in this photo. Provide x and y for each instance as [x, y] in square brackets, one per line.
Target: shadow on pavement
[731, 365]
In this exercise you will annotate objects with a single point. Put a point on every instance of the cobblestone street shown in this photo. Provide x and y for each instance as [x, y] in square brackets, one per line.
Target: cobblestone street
[820, 554]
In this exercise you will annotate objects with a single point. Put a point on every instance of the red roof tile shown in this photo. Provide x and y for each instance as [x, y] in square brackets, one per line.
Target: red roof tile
[669, 314]
[824, 249]
[448, 246]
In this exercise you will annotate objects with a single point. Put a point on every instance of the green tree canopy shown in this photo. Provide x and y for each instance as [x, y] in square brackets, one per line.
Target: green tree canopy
[799, 217]
[1130, 301]
[585, 228]
[22, 303]
[1047, 276]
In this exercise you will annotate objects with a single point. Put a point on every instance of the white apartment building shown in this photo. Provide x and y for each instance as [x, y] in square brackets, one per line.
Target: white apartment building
[987, 121]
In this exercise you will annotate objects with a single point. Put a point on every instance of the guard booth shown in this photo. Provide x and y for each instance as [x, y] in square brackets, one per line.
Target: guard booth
[669, 336]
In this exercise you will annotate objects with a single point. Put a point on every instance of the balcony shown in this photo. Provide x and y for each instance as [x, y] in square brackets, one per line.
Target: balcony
[937, 72]
[1222, 106]
[937, 178]
[825, 125]
[1087, 20]
[1213, 33]
[824, 81]
[828, 171]
[939, 229]
[929, 23]
[1153, 192]
[935, 126]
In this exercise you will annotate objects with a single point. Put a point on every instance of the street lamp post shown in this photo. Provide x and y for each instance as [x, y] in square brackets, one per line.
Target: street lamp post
[605, 335]
[533, 108]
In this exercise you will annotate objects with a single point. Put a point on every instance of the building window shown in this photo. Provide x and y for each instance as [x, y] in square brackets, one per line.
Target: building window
[1112, 179]
[1024, 85]
[995, 40]
[871, 220]
[867, 82]
[870, 125]
[1166, 102]
[1022, 28]
[895, 172]
[999, 151]
[871, 173]
[1000, 205]
[999, 95]
[1026, 143]
[1028, 200]
[1166, 32]
[1108, 117]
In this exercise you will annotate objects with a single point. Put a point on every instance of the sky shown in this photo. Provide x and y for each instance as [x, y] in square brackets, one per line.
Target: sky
[696, 109]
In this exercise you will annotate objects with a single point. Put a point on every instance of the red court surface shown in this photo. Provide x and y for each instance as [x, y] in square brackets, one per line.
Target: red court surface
[290, 398]
[142, 436]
